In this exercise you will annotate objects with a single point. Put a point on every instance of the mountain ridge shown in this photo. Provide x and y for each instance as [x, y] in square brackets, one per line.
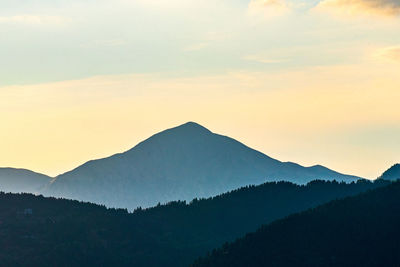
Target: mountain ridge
[18, 180]
[182, 162]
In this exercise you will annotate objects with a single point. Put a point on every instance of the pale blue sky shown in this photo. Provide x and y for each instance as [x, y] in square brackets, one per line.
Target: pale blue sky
[46, 41]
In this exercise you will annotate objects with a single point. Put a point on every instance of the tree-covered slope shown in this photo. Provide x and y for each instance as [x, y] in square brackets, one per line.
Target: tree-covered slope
[71, 233]
[356, 231]
[392, 174]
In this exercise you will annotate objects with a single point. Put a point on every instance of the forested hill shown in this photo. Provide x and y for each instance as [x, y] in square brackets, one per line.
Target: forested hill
[40, 231]
[357, 231]
[392, 174]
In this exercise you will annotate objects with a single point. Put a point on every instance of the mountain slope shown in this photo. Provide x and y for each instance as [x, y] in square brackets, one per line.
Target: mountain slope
[20, 180]
[69, 233]
[180, 163]
[356, 231]
[392, 174]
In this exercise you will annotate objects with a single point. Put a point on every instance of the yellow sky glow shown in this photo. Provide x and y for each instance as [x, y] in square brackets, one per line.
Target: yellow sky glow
[301, 116]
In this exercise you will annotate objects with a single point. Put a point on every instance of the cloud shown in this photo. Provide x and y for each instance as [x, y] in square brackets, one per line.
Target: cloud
[362, 7]
[266, 3]
[389, 53]
[106, 43]
[268, 8]
[207, 39]
[32, 20]
[265, 60]
[196, 47]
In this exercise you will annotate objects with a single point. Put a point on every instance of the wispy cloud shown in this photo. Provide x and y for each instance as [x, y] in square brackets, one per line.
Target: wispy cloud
[196, 47]
[268, 8]
[33, 20]
[389, 53]
[265, 60]
[206, 40]
[266, 3]
[106, 43]
[362, 7]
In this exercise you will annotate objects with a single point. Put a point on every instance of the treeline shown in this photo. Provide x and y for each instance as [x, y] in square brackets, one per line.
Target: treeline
[357, 231]
[52, 232]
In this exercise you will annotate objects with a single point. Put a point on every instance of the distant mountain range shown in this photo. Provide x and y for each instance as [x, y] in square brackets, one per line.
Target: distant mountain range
[357, 231]
[181, 163]
[20, 180]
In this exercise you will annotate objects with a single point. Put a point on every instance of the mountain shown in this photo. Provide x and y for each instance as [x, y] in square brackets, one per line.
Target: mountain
[39, 231]
[392, 174]
[20, 180]
[356, 231]
[184, 162]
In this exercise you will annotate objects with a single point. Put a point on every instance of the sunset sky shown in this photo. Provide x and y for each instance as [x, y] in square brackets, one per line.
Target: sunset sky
[308, 81]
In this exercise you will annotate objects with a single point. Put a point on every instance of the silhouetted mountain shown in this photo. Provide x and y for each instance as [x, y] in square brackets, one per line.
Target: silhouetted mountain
[180, 163]
[392, 174]
[20, 180]
[357, 231]
[38, 231]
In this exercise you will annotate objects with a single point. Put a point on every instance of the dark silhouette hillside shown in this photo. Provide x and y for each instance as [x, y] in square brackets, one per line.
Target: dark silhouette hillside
[180, 163]
[38, 231]
[392, 174]
[356, 231]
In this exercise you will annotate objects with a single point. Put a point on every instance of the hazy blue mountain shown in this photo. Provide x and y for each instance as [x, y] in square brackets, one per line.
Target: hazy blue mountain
[392, 174]
[20, 180]
[182, 163]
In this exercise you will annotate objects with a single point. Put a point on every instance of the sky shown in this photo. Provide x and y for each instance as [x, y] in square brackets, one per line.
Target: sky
[308, 81]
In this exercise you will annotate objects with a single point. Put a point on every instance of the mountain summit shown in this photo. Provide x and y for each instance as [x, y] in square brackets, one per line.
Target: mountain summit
[180, 163]
[189, 128]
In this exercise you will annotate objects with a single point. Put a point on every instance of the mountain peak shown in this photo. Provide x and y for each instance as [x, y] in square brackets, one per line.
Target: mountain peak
[393, 173]
[183, 162]
[189, 131]
[190, 128]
